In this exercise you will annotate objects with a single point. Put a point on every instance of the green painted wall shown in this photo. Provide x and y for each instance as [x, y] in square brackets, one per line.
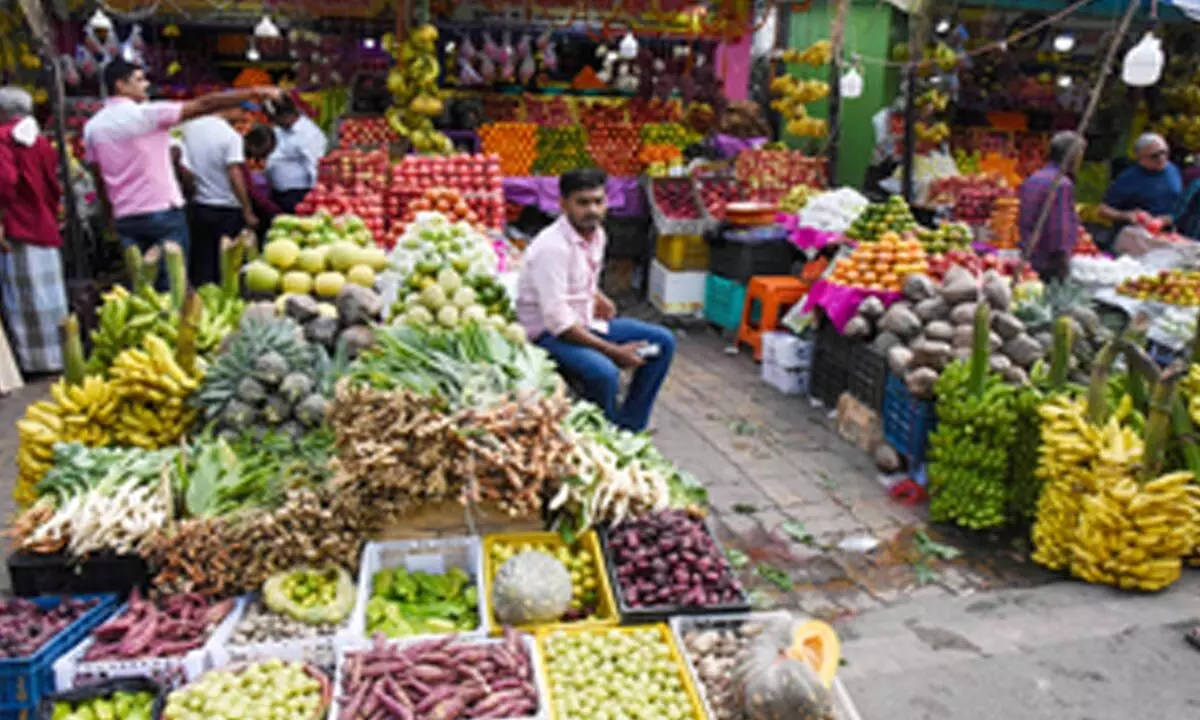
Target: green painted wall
[869, 32]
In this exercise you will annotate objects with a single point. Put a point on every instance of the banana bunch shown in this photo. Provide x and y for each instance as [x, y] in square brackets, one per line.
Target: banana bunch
[818, 54]
[11, 26]
[221, 315]
[1135, 536]
[793, 95]
[1191, 391]
[413, 84]
[933, 99]
[1070, 445]
[154, 389]
[935, 133]
[125, 319]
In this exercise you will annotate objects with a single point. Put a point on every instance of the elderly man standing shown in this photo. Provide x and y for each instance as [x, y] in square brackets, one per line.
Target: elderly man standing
[292, 165]
[129, 143]
[31, 276]
[1152, 187]
[1050, 251]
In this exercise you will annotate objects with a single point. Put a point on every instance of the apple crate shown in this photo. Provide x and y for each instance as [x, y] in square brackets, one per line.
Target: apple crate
[674, 206]
[435, 556]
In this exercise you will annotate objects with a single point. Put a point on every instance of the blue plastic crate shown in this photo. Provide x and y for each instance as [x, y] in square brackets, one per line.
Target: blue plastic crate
[24, 681]
[907, 421]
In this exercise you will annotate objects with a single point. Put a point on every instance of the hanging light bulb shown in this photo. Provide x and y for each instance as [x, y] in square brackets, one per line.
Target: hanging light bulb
[942, 27]
[266, 28]
[100, 21]
[1143, 64]
[628, 47]
[1065, 81]
[851, 84]
[1064, 43]
[370, 43]
[252, 53]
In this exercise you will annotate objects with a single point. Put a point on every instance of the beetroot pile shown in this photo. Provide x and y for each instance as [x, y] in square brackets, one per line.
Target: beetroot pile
[445, 678]
[669, 559]
[174, 626]
[25, 627]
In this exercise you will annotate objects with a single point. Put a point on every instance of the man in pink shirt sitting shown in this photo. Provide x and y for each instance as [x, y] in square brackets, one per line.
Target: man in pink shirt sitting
[562, 308]
[129, 144]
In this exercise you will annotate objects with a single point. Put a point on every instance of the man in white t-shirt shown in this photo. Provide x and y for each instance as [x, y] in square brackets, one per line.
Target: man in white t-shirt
[221, 204]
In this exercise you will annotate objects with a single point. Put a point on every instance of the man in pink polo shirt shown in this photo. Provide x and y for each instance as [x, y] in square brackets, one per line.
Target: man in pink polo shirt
[560, 304]
[128, 142]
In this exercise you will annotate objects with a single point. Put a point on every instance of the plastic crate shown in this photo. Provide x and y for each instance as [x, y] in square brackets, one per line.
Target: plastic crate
[32, 574]
[23, 681]
[843, 707]
[45, 708]
[698, 710]
[674, 226]
[531, 649]
[661, 613]
[829, 377]
[723, 301]
[72, 670]
[589, 542]
[742, 254]
[682, 252]
[868, 375]
[319, 651]
[907, 421]
[436, 556]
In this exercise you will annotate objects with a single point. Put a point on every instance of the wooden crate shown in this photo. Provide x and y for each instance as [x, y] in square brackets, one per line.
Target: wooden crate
[450, 518]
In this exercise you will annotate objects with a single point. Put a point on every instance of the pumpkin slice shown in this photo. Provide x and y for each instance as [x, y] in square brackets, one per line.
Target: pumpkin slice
[816, 643]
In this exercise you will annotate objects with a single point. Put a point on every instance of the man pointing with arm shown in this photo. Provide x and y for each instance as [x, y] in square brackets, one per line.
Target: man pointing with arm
[128, 143]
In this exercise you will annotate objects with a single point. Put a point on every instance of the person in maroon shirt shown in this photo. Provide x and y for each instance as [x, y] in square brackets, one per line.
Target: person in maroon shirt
[32, 292]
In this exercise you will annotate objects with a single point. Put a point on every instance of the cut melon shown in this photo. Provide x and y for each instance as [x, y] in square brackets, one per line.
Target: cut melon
[817, 644]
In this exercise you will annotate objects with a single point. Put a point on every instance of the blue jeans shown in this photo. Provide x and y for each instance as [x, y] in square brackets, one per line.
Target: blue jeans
[151, 230]
[601, 378]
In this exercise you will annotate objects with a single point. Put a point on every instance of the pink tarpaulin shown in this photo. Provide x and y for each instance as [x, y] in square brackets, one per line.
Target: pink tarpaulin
[625, 198]
[840, 303]
[806, 238]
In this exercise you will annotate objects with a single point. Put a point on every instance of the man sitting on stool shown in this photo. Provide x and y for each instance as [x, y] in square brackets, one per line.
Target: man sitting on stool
[560, 304]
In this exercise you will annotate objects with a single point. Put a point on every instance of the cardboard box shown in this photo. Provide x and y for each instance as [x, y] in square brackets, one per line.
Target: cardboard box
[676, 293]
[789, 381]
[786, 350]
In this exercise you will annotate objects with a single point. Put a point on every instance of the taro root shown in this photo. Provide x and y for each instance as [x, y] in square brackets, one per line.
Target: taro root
[858, 327]
[871, 308]
[918, 287]
[997, 291]
[1023, 350]
[934, 308]
[920, 382]
[939, 330]
[301, 308]
[358, 305]
[899, 358]
[901, 321]
[1007, 325]
[960, 286]
[885, 341]
[963, 314]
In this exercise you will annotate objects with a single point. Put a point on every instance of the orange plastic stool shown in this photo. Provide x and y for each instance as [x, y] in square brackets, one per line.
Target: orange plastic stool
[773, 293]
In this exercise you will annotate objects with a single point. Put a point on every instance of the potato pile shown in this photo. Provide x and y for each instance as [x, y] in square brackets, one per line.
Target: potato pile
[931, 327]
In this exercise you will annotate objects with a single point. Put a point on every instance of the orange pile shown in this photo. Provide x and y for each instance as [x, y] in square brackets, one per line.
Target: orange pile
[1004, 223]
[514, 143]
[660, 153]
[881, 265]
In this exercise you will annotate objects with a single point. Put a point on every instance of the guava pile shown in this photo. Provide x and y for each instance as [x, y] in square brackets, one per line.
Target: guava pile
[315, 255]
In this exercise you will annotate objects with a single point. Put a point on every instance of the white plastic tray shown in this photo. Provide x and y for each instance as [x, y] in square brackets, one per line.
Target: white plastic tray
[71, 670]
[539, 680]
[681, 624]
[319, 651]
[436, 555]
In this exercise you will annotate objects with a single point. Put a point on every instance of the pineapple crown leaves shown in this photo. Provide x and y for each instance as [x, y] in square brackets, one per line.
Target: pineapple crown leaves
[253, 340]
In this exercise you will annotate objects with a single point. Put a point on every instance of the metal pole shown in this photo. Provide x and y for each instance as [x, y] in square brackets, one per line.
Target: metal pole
[915, 26]
[837, 35]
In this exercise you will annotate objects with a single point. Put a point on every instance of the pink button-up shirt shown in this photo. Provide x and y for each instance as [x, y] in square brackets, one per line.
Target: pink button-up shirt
[560, 274]
[131, 144]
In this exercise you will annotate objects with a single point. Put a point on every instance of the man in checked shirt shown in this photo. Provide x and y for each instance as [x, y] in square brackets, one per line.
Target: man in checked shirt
[1054, 184]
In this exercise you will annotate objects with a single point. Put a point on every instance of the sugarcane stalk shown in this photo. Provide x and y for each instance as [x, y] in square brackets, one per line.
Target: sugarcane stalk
[133, 266]
[1196, 343]
[232, 253]
[73, 361]
[177, 271]
[150, 266]
[1097, 398]
[250, 243]
[979, 351]
[189, 324]
[1060, 353]
[1159, 422]
[1182, 428]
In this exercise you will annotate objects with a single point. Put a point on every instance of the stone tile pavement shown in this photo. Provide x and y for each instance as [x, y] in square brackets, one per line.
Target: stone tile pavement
[785, 490]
